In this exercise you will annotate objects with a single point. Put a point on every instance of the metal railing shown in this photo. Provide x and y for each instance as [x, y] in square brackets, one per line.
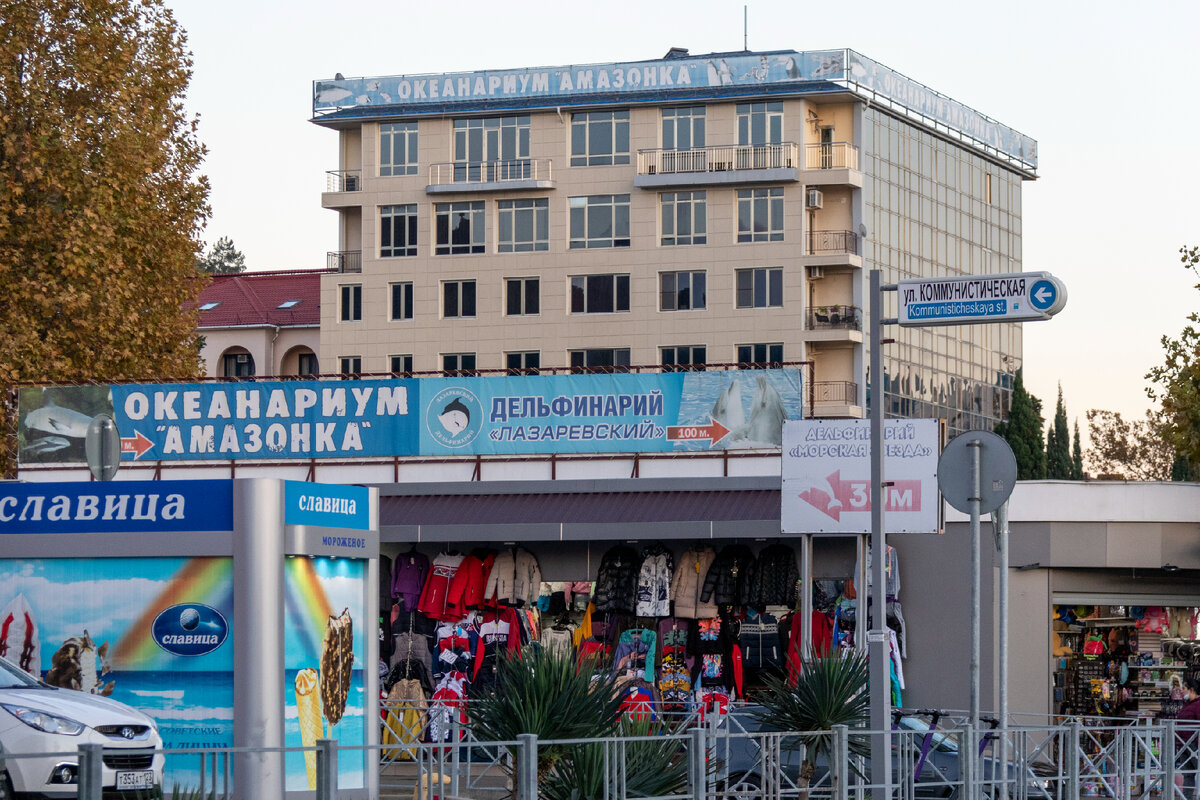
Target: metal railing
[832, 242]
[839, 392]
[719, 158]
[843, 317]
[830, 155]
[343, 180]
[468, 172]
[344, 260]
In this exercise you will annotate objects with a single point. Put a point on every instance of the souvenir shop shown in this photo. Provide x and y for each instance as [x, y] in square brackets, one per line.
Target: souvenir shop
[681, 621]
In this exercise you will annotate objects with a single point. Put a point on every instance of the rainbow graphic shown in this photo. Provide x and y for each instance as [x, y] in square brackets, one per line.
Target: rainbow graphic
[199, 580]
[308, 606]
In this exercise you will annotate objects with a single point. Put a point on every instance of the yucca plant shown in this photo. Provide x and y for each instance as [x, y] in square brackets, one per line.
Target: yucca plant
[654, 766]
[829, 691]
[549, 695]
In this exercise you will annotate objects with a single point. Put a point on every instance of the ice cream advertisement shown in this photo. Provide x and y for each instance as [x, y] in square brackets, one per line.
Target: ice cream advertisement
[324, 617]
[154, 633]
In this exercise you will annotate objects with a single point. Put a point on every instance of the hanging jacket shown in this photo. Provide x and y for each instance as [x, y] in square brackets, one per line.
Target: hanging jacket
[435, 596]
[688, 581]
[514, 579]
[773, 582]
[727, 581]
[654, 582]
[385, 583]
[616, 582]
[409, 571]
[759, 638]
[712, 649]
[635, 653]
[466, 588]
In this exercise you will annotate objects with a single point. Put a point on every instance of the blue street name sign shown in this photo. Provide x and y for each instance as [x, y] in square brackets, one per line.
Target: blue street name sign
[973, 299]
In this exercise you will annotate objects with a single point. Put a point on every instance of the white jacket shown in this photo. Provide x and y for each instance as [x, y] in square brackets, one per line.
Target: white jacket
[654, 586]
[515, 578]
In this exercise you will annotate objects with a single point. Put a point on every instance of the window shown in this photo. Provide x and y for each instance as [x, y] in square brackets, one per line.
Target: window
[987, 188]
[288, 304]
[351, 308]
[458, 299]
[760, 215]
[760, 287]
[402, 301]
[459, 228]
[759, 355]
[401, 365]
[599, 138]
[493, 149]
[682, 358]
[599, 294]
[350, 365]
[521, 296]
[599, 220]
[600, 360]
[684, 218]
[760, 123]
[524, 225]
[683, 128]
[458, 363]
[398, 148]
[682, 291]
[308, 364]
[210, 306]
[238, 365]
[526, 363]
[397, 231]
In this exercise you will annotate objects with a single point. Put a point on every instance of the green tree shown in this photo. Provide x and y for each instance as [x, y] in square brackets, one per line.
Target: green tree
[1058, 443]
[100, 201]
[1175, 384]
[1128, 450]
[1023, 432]
[1077, 456]
[222, 258]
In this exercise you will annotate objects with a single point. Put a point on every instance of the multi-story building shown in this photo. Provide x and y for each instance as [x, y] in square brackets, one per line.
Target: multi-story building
[679, 212]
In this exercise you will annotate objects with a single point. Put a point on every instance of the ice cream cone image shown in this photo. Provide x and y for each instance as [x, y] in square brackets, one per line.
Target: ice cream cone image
[337, 662]
[308, 709]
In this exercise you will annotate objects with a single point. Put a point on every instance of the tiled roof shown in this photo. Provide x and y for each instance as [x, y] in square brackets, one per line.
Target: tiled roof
[254, 298]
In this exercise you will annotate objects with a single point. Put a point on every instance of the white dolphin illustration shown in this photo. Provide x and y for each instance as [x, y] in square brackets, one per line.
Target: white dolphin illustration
[60, 421]
[765, 426]
[727, 409]
[46, 444]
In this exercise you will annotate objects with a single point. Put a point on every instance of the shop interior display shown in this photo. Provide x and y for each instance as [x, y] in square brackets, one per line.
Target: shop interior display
[677, 629]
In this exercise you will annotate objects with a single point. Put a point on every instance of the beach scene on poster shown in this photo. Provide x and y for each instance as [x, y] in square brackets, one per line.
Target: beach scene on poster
[325, 625]
[153, 633]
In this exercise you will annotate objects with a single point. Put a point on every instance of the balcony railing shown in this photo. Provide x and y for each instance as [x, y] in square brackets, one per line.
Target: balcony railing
[345, 260]
[832, 242]
[834, 317]
[831, 155]
[343, 180]
[835, 392]
[468, 172]
[721, 158]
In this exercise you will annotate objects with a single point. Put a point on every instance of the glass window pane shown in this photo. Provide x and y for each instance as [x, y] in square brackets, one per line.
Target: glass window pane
[776, 287]
[622, 293]
[600, 137]
[699, 290]
[532, 299]
[578, 293]
[450, 300]
[599, 222]
[468, 298]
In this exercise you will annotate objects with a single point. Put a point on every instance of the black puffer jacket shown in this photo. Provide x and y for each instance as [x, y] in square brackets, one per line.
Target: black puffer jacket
[728, 579]
[773, 582]
[617, 580]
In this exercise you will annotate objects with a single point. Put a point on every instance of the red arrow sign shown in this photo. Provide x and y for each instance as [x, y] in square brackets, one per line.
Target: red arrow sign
[714, 432]
[138, 445]
[834, 496]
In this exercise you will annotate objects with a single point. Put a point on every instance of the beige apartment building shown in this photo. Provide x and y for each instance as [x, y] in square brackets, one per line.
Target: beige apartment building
[674, 213]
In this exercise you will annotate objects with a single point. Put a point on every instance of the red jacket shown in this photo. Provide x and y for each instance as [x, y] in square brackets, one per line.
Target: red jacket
[435, 595]
[466, 587]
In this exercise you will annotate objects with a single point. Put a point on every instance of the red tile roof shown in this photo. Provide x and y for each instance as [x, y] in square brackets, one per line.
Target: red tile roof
[253, 298]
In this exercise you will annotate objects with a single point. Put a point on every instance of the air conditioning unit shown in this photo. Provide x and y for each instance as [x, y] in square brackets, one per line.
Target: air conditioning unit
[814, 199]
[816, 273]
[243, 358]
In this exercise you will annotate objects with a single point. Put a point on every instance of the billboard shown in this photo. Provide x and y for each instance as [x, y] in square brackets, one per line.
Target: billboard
[537, 414]
[826, 474]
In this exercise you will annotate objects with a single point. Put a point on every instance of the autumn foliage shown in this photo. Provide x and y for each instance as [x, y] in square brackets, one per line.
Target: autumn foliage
[100, 200]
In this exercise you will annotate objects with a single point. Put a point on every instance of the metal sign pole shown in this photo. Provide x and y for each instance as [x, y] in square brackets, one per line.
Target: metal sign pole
[975, 592]
[877, 640]
[1003, 526]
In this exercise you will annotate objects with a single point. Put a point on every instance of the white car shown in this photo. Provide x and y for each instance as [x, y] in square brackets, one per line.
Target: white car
[39, 719]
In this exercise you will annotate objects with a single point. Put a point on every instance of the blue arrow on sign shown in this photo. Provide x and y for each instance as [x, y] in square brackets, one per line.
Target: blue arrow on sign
[1043, 294]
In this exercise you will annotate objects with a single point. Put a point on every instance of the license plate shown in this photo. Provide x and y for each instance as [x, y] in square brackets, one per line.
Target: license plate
[135, 780]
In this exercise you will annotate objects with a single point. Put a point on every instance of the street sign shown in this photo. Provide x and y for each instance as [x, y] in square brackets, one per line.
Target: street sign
[972, 299]
[997, 471]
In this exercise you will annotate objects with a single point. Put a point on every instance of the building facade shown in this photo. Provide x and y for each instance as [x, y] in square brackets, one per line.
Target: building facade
[675, 213]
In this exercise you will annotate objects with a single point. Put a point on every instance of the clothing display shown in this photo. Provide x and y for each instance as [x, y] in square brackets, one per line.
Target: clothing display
[728, 579]
[617, 580]
[654, 582]
[435, 595]
[687, 584]
[514, 579]
[409, 571]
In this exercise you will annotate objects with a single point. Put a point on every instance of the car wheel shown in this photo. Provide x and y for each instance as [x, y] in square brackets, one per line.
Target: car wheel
[740, 786]
[6, 789]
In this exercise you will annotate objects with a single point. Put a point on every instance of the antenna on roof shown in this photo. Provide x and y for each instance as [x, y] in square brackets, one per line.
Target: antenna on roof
[745, 28]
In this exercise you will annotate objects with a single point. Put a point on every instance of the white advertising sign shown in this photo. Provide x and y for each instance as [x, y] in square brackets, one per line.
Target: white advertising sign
[827, 476]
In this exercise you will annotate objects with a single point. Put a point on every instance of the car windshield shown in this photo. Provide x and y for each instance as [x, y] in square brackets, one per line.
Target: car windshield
[940, 741]
[13, 677]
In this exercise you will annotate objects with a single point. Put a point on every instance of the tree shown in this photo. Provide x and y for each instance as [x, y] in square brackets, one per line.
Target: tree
[1058, 443]
[1177, 379]
[1023, 432]
[100, 201]
[1128, 450]
[1077, 473]
[223, 258]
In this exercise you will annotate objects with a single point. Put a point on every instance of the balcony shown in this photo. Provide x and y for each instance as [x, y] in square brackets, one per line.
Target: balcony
[834, 318]
[344, 261]
[837, 242]
[722, 164]
[835, 399]
[343, 180]
[490, 176]
[832, 164]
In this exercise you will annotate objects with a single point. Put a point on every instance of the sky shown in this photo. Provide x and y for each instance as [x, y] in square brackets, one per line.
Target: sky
[1104, 87]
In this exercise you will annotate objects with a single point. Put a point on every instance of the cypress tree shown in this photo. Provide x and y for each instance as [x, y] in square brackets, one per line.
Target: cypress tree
[1058, 444]
[1077, 456]
[1023, 432]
